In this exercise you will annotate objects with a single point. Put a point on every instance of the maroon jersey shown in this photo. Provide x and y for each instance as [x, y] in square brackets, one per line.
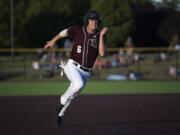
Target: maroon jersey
[85, 46]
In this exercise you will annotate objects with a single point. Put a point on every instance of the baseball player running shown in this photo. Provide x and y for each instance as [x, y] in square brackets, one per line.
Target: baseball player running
[88, 42]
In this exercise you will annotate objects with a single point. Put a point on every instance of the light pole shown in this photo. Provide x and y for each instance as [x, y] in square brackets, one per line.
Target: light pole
[12, 27]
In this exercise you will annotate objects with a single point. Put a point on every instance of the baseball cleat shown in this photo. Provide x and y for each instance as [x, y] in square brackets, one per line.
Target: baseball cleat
[58, 108]
[59, 121]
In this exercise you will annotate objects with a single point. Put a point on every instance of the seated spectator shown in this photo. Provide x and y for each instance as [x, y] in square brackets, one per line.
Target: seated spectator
[136, 57]
[98, 64]
[160, 57]
[35, 65]
[114, 61]
[132, 75]
[163, 56]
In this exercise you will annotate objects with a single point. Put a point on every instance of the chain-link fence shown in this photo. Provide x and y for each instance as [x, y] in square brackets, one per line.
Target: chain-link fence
[118, 64]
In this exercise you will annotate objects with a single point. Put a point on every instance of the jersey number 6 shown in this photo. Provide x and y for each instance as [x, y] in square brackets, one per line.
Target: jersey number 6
[78, 49]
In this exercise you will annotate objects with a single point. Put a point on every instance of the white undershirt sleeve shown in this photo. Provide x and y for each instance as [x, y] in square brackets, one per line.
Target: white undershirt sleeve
[64, 33]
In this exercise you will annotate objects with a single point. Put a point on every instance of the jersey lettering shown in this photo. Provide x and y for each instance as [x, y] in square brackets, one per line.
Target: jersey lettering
[93, 42]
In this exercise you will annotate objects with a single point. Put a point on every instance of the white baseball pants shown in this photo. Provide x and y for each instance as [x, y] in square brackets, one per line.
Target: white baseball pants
[78, 79]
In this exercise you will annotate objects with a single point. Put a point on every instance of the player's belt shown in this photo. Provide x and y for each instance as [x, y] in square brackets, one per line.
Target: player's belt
[81, 67]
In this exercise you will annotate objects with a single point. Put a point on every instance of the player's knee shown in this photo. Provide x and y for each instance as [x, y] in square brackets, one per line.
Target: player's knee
[79, 85]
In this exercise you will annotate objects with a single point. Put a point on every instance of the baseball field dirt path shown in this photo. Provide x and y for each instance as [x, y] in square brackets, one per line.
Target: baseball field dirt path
[92, 115]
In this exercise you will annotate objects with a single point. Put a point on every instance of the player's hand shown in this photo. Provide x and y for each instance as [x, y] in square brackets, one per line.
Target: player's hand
[103, 31]
[49, 44]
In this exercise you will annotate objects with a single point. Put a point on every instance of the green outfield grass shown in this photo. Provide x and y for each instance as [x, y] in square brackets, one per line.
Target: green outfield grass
[93, 87]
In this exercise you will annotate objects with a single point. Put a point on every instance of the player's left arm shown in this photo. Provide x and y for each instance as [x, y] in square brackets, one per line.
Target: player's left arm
[102, 44]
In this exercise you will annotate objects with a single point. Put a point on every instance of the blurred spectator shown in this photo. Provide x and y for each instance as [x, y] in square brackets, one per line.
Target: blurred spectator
[114, 61]
[35, 65]
[48, 63]
[40, 53]
[102, 64]
[36, 62]
[136, 58]
[98, 64]
[157, 57]
[53, 59]
[163, 56]
[129, 46]
[132, 75]
[172, 70]
[121, 58]
[160, 57]
[106, 63]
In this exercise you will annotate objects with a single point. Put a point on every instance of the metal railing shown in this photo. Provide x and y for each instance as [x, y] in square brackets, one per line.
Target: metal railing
[118, 64]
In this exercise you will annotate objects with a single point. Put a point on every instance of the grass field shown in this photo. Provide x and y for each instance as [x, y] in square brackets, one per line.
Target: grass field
[93, 87]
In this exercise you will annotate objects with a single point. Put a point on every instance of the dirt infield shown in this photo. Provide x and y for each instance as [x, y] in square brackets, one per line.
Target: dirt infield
[92, 115]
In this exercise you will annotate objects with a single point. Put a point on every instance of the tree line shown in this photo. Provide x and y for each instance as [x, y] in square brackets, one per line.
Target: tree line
[37, 21]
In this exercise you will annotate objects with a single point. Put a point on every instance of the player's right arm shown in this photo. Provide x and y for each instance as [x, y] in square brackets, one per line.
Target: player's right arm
[53, 41]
